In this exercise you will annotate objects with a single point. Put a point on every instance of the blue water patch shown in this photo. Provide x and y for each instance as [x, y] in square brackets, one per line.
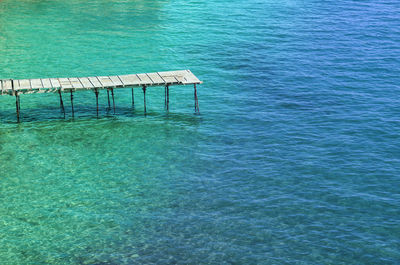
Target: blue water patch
[293, 160]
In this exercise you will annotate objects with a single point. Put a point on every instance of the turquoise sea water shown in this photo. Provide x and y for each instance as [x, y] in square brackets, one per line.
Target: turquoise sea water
[293, 160]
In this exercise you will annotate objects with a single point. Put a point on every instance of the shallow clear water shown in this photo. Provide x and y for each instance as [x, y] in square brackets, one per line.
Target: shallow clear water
[294, 158]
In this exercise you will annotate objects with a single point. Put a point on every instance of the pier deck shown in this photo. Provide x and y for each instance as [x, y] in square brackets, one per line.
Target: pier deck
[46, 85]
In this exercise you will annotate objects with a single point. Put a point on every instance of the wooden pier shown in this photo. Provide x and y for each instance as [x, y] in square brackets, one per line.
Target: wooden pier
[16, 87]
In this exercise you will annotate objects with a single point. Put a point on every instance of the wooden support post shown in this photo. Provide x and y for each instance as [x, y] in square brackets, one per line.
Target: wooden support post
[17, 105]
[167, 97]
[144, 98]
[196, 101]
[17, 100]
[61, 102]
[72, 104]
[133, 98]
[97, 101]
[108, 97]
[112, 94]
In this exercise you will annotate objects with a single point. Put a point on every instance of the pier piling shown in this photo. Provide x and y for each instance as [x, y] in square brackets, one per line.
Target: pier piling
[196, 101]
[97, 102]
[72, 104]
[108, 97]
[17, 102]
[112, 95]
[61, 102]
[167, 88]
[133, 98]
[144, 98]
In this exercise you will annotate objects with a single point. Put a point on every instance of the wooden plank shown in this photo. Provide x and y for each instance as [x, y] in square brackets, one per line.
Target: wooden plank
[46, 83]
[86, 82]
[161, 78]
[121, 80]
[130, 80]
[174, 73]
[117, 82]
[36, 84]
[168, 77]
[16, 85]
[25, 84]
[157, 80]
[106, 81]
[183, 77]
[145, 80]
[7, 87]
[75, 83]
[190, 78]
[95, 81]
[65, 83]
[55, 83]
